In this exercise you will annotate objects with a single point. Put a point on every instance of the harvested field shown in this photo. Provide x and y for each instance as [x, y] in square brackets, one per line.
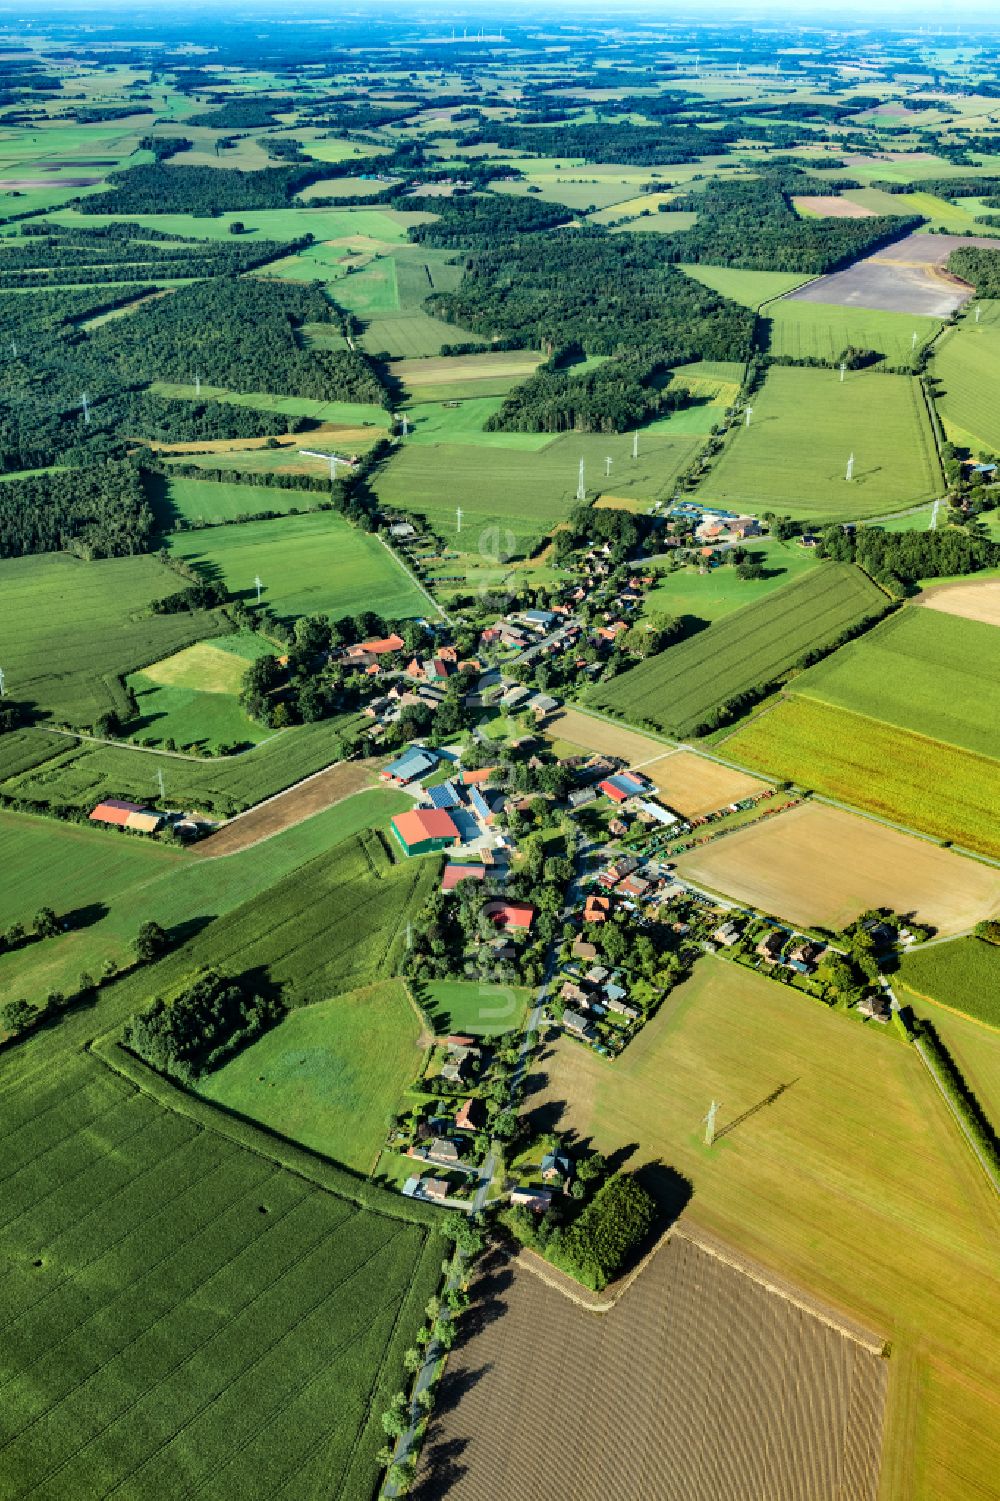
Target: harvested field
[855, 1172]
[746, 1392]
[693, 784]
[446, 369]
[601, 737]
[315, 794]
[821, 866]
[908, 277]
[831, 207]
[975, 601]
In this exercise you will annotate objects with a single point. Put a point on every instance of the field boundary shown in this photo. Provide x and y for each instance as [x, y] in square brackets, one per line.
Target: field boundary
[933, 1001]
[203, 850]
[414, 580]
[962, 1126]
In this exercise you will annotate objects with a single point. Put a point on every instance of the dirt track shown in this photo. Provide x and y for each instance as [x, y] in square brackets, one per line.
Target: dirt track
[285, 810]
[700, 1384]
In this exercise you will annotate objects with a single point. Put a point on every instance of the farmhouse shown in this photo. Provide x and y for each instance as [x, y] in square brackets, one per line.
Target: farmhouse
[538, 1199]
[727, 935]
[127, 816]
[423, 830]
[770, 946]
[443, 1150]
[516, 916]
[454, 875]
[875, 1007]
[377, 648]
[471, 1116]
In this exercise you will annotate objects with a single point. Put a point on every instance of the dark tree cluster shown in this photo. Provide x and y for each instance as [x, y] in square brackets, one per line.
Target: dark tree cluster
[99, 512]
[636, 145]
[212, 1018]
[490, 220]
[157, 189]
[980, 267]
[899, 559]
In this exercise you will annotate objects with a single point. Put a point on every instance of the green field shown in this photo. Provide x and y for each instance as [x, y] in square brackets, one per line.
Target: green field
[750, 288]
[519, 495]
[349, 413]
[194, 501]
[898, 672]
[802, 1182]
[80, 774]
[805, 424]
[465, 423]
[307, 564]
[964, 974]
[330, 1075]
[821, 331]
[266, 224]
[71, 627]
[974, 1047]
[709, 596]
[967, 366]
[681, 688]
[921, 783]
[180, 1310]
[191, 697]
[106, 884]
[475, 1007]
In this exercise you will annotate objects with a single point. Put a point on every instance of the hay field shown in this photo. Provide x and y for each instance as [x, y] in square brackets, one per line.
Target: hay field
[974, 1047]
[819, 330]
[975, 601]
[709, 596]
[896, 672]
[855, 1174]
[710, 1386]
[458, 371]
[212, 666]
[311, 563]
[178, 499]
[602, 737]
[683, 688]
[329, 1074]
[967, 365]
[793, 456]
[694, 785]
[927, 785]
[821, 866]
[750, 288]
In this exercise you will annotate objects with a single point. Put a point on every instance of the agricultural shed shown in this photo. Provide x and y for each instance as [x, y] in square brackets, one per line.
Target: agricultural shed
[377, 648]
[144, 822]
[423, 830]
[444, 796]
[655, 811]
[454, 875]
[116, 812]
[507, 915]
[477, 775]
[622, 786]
[412, 764]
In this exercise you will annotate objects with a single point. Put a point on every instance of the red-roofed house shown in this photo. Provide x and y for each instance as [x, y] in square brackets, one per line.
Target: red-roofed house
[597, 909]
[454, 875]
[471, 1116]
[511, 915]
[423, 830]
[377, 648]
[482, 774]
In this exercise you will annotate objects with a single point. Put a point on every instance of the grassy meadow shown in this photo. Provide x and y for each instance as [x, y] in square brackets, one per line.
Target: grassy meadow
[191, 697]
[307, 564]
[329, 1074]
[750, 288]
[819, 330]
[924, 784]
[793, 457]
[176, 499]
[896, 672]
[966, 367]
[711, 595]
[72, 626]
[802, 1182]
[679, 689]
[475, 1007]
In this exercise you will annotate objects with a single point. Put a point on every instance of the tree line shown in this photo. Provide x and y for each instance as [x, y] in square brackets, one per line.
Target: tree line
[212, 1018]
[99, 512]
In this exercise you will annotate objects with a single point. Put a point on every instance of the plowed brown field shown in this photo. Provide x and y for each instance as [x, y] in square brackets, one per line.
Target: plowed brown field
[699, 1385]
[288, 808]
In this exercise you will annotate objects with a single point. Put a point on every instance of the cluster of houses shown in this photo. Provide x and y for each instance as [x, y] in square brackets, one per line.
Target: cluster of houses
[556, 1172]
[589, 997]
[445, 1140]
[459, 812]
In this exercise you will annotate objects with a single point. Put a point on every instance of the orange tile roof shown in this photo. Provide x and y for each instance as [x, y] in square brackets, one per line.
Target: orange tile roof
[424, 823]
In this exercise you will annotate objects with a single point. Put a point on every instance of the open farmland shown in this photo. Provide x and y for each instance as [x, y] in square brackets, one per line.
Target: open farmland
[683, 688]
[179, 1311]
[105, 884]
[195, 501]
[308, 564]
[191, 697]
[80, 773]
[804, 1181]
[70, 627]
[974, 1047]
[694, 785]
[979, 600]
[925, 784]
[822, 866]
[712, 594]
[821, 331]
[895, 673]
[793, 456]
[602, 737]
[907, 277]
[752, 1391]
[446, 378]
[329, 1075]
[964, 975]
[967, 368]
[517, 497]
[750, 288]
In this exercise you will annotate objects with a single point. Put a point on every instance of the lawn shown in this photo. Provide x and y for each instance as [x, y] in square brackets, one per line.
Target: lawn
[681, 689]
[72, 626]
[473, 1006]
[964, 975]
[896, 673]
[750, 288]
[805, 425]
[967, 367]
[946, 792]
[181, 1311]
[107, 884]
[709, 596]
[307, 564]
[822, 331]
[330, 1075]
[512, 498]
[816, 1189]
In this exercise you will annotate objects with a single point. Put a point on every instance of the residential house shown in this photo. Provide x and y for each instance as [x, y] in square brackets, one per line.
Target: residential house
[479, 805]
[454, 875]
[557, 1168]
[471, 1116]
[618, 827]
[423, 830]
[597, 974]
[771, 945]
[573, 995]
[584, 950]
[805, 954]
[875, 1007]
[477, 775]
[728, 934]
[597, 909]
[511, 916]
[444, 1151]
[538, 1199]
[581, 797]
[635, 886]
[615, 1003]
[578, 1026]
